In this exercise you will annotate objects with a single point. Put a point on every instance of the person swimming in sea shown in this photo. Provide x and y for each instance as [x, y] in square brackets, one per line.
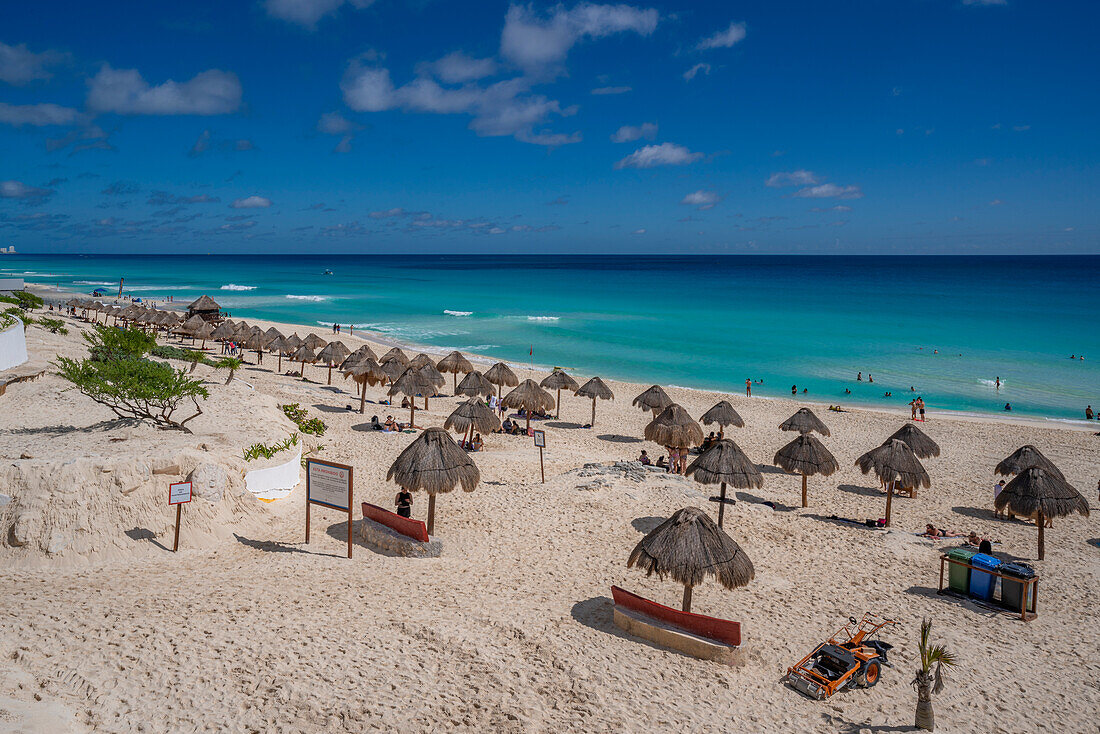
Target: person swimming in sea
[1008, 406]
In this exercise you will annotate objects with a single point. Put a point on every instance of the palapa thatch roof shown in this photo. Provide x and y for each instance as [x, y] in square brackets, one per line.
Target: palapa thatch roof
[529, 396]
[804, 421]
[394, 354]
[243, 332]
[653, 398]
[474, 384]
[895, 461]
[724, 415]
[725, 462]
[304, 354]
[189, 327]
[314, 342]
[293, 342]
[280, 346]
[333, 354]
[272, 334]
[431, 374]
[806, 455]
[674, 427]
[501, 374]
[257, 342]
[1037, 490]
[225, 330]
[393, 369]
[410, 383]
[1024, 458]
[559, 380]
[420, 360]
[689, 546]
[595, 388]
[918, 440]
[364, 352]
[434, 463]
[365, 370]
[472, 414]
[204, 303]
[455, 363]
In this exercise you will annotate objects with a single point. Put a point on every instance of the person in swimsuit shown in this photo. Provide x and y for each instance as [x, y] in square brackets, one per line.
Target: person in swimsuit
[748, 388]
[404, 502]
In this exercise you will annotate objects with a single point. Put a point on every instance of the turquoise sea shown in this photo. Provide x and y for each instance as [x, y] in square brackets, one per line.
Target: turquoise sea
[946, 326]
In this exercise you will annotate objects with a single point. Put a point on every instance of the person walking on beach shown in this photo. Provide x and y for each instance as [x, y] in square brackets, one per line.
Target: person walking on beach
[920, 407]
[748, 388]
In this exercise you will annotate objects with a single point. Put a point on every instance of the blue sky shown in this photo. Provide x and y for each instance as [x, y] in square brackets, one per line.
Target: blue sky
[910, 126]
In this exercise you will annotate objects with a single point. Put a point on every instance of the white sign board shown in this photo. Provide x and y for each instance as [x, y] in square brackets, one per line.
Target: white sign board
[540, 439]
[179, 493]
[328, 484]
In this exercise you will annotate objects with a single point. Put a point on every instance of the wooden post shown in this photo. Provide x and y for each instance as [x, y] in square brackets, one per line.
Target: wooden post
[687, 598]
[722, 504]
[889, 497]
[363, 397]
[593, 412]
[330, 374]
[455, 390]
[431, 513]
[412, 412]
[280, 363]
[349, 528]
[307, 505]
[804, 502]
[559, 404]
[176, 542]
[542, 467]
[942, 560]
[1041, 522]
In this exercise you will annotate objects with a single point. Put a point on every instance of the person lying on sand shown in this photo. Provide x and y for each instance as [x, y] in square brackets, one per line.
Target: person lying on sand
[931, 531]
[977, 540]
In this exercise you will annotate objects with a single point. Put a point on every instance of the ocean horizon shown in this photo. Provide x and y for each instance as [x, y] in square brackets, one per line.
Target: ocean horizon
[942, 327]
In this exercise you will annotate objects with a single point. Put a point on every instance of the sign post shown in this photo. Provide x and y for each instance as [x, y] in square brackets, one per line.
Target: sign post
[540, 441]
[329, 484]
[179, 494]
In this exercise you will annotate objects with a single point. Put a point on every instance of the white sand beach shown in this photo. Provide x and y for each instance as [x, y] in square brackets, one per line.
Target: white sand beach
[247, 628]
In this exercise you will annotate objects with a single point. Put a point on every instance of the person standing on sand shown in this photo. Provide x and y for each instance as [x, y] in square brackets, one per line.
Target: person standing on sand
[404, 502]
[748, 388]
[913, 408]
[920, 407]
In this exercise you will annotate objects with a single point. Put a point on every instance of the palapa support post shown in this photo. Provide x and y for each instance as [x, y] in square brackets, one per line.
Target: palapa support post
[330, 374]
[889, 498]
[431, 513]
[557, 413]
[176, 540]
[362, 398]
[412, 412]
[805, 503]
[593, 412]
[722, 504]
[1041, 521]
[687, 598]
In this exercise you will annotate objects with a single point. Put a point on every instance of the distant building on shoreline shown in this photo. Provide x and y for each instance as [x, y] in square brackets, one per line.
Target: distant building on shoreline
[7, 250]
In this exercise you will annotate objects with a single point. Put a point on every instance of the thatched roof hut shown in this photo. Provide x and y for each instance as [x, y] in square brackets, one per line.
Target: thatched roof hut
[332, 355]
[918, 440]
[365, 371]
[806, 455]
[434, 463]
[530, 397]
[394, 368]
[557, 380]
[226, 330]
[893, 462]
[189, 327]
[314, 342]
[595, 388]
[502, 376]
[724, 415]
[394, 354]
[420, 360]
[1038, 493]
[455, 363]
[725, 463]
[205, 307]
[675, 428]
[804, 421]
[293, 342]
[689, 547]
[654, 399]
[280, 347]
[410, 383]
[472, 415]
[1024, 458]
[272, 334]
[364, 352]
[304, 354]
[474, 384]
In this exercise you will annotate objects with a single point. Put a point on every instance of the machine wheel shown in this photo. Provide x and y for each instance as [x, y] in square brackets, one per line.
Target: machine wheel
[870, 674]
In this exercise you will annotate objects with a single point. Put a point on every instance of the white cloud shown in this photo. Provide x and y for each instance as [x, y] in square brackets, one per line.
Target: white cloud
[701, 200]
[19, 65]
[996, 202]
[695, 71]
[20, 190]
[333, 123]
[665, 154]
[251, 202]
[388, 213]
[306, 13]
[124, 91]
[202, 144]
[1021, 128]
[801, 177]
[601, 91]
[539, 43]
[724, 39]
[457, 67]
[630, 133]
[837, 208]
[37, 115]
[503, 108]
[638, 231]
[829, 191]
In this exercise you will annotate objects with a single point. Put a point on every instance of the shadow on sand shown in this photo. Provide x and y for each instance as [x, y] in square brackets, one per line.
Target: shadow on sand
[274, 546]
[615, 438]
[598, 613]
[747, 497]
[561, 424]
[646, 524]
[864, 491]
[140, 534]
[339, 531]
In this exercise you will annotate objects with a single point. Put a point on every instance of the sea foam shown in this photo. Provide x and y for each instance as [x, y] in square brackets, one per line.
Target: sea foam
[543, 318]
[449, 312]
[235, 287]
[314, 299]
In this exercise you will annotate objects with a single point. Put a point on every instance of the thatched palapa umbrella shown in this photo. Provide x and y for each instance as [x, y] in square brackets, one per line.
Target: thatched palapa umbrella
[420, 360]
[410, 384]
[806, 455]
[892, 462]
[529, 396]
[257, 343]
[314, 342]
[304, 354]
[393, 369]
[689, 547]
[1038, 493]
[918, 440]
[203, 332]
[455, 363]
[280, 347]
[557, 380]
[724, 415]
[804, 421]
[332, 355]
[725, 463]
[502, 376]
[472, 415]
[394, 354]
[1025, 458]
[675, 428]
[475, 384]
[364, 352]
[595, 388]
[365, 372]
[434, 463]
[654, 399]
[432, 376]
[224, 332]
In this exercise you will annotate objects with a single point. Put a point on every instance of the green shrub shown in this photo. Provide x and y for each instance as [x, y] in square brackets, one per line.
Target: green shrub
[109, 343]
[257, 450]
[27, 300]
[296, 413]
[165, 351]
[56, 326]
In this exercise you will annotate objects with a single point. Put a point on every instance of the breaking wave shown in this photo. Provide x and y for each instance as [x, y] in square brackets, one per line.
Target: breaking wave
[449, 312]
[235, 287]
[314, 299]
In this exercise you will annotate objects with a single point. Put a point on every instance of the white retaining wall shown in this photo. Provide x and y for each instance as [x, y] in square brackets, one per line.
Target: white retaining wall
[13, 347]
[275, 482]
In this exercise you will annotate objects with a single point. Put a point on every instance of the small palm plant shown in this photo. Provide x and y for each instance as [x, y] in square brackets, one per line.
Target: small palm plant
[229, 363]
[193, 356]
[927, 680]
